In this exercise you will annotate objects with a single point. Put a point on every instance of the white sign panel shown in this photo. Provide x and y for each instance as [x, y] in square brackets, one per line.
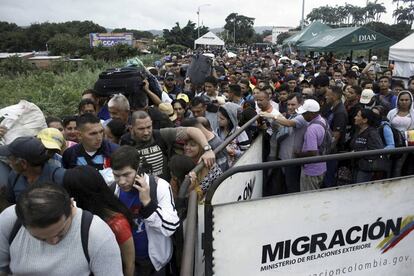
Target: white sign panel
[243, 186]
[357, 230]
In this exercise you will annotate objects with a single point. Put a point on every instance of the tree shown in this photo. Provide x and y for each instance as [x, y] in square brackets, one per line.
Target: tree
[240, 28]
[281, 37]
[259, 37]
[183, 36]
[396, 31]
[137, 34]
[374, 10]
[404, 12]
[67, 44]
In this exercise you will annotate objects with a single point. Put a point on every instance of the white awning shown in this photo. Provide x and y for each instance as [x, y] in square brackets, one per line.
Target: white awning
[403, 50]
[209, 39]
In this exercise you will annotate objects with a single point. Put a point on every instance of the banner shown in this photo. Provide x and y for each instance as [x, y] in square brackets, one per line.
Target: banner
[110, 39]
[355, 230]
[246, 185]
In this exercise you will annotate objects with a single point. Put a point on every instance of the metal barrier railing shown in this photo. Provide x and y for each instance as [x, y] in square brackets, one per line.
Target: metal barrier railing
[187, 253]
[208, 207]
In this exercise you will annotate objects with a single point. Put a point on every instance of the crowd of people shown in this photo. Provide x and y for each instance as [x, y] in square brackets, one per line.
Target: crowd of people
[95, 191]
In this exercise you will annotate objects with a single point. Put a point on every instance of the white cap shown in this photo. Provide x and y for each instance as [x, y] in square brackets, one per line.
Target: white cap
[374, 58]
[366, 96]
[308, 106]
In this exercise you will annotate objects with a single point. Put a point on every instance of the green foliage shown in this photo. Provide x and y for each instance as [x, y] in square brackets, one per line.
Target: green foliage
[404, 13]
[57, 90]
[36, 36]
[396, 31]
[183, 36]
[176, 48]
[137, 34]
[242, 26]
[14, 65]
[281, 37]
[55, 94]
[259, 37]
[348, 14]
[67, 44]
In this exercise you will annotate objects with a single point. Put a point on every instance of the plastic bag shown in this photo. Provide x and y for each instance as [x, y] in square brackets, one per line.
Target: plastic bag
[22, 119]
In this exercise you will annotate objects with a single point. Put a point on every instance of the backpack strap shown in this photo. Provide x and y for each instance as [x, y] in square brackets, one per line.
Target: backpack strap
[54, 174]
[16, 227]
[153, 180]
[86, 221]
[324, 125]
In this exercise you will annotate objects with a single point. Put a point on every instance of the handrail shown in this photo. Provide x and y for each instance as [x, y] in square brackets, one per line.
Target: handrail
[208, 207]
[187, 266]
[184, 186]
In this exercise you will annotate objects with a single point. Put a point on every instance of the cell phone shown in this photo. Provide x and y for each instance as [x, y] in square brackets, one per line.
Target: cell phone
[140, 169]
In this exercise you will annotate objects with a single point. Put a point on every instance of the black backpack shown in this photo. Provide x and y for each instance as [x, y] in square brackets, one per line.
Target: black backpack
[328, 146]
[127, 81]
[199, 68]
[86, 221]
[399, 139]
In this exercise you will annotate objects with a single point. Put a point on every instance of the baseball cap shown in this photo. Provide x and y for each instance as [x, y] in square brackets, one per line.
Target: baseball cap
[26, 147]
[52, 138]
[309, 105]
[167, 108]
[321, 80]
[169, 76]
[355, 68]
[366, 96]
[183, 97]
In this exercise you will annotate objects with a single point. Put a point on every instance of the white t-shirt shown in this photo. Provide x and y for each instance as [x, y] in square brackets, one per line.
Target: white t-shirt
[30, 256]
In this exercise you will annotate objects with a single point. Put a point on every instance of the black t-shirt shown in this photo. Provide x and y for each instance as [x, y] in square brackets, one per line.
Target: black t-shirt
[337, 118]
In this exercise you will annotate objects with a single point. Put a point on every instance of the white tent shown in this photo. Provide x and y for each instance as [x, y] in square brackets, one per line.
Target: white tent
[402, 53]
[209, 39]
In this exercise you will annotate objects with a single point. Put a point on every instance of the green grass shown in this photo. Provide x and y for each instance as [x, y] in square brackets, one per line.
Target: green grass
[56, 94]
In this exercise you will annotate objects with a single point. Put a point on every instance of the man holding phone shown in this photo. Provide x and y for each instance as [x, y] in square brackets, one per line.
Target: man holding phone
[150, 200]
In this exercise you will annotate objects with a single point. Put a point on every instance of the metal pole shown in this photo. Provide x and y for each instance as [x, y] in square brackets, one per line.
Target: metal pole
[302, 23]
[186, 183]
[198, 22]
[234, 31]
[187, 263]
[191, 226]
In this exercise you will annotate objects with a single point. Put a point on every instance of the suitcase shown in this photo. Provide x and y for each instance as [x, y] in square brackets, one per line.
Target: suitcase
[129, 82]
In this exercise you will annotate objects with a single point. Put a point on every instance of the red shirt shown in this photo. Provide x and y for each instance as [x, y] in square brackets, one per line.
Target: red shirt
[120, 227]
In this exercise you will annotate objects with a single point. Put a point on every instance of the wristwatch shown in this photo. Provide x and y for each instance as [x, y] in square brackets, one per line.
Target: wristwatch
[207, 147]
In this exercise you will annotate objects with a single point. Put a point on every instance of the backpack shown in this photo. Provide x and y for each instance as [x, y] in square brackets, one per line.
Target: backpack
[86, 221]
[127, 81]
[199, 68]
[57, 177]
[328, 146]
[399, 139]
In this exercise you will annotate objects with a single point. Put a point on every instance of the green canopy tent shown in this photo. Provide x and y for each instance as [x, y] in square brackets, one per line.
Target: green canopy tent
[346, 39]
[307, 33]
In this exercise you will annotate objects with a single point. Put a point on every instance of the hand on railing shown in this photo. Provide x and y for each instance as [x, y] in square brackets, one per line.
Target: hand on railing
[209, 158]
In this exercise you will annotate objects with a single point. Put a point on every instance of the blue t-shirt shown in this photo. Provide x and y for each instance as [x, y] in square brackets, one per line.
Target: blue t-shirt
[132, 202]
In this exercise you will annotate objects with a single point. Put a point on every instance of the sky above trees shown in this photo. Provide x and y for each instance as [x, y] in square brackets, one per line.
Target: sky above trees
[161, 14]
